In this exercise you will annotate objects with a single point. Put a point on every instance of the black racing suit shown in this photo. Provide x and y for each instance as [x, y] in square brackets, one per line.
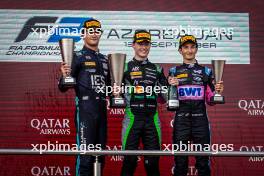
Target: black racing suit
[90, 69]
[141, 114]
[190, 122]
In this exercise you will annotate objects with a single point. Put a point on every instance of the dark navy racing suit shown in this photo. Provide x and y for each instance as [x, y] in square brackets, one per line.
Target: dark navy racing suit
[90, 69]
[141, 115]
[190, 122]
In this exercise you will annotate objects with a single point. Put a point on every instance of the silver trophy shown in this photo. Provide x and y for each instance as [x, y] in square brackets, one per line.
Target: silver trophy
[117, 65]
[173, 100]
[218, 67]
[67, 47]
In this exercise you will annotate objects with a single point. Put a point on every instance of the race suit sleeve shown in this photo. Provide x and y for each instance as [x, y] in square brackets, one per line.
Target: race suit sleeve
[210, 87]
[74, 73]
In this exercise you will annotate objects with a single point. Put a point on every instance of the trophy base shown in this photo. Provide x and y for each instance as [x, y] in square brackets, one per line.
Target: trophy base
[69, 82]
[117, 102]
[173, 105]
[218, 99]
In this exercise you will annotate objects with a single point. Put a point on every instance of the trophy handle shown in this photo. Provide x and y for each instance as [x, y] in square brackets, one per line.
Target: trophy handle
[118, 94]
